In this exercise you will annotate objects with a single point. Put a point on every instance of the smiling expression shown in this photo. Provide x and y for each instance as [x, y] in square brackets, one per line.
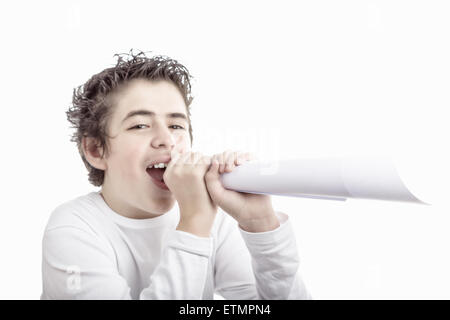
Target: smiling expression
[149, 117]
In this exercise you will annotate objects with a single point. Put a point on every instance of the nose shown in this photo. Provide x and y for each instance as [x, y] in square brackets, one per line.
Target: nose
[163, 138]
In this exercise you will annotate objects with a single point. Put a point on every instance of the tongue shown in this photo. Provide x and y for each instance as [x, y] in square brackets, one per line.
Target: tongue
[156, 173]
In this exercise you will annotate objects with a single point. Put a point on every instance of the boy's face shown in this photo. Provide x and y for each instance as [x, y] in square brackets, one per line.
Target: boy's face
[140, 138]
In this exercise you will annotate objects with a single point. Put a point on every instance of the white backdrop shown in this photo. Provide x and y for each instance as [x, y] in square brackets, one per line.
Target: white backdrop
[279, 78]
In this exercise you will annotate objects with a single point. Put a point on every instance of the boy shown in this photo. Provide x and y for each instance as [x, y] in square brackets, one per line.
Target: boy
[161, 226]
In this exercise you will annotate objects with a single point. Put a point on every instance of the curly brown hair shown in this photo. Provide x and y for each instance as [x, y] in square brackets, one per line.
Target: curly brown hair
[91, 109]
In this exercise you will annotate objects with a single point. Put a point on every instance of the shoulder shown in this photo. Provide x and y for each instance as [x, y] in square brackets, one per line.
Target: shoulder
[78, 226]
[82, 213]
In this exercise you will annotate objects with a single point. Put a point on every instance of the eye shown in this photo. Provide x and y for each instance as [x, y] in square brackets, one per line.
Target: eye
[143, 126]
[139, 126]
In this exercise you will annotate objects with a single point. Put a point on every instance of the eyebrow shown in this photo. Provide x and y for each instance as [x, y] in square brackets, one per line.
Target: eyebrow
[148, 113]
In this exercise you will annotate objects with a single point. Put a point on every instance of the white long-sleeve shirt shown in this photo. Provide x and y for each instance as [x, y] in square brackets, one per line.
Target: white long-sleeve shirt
[91, 252]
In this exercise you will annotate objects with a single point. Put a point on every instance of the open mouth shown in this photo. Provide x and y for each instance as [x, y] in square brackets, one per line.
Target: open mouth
[156, 172]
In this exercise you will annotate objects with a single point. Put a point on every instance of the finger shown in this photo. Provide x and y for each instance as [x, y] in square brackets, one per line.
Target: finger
[225, 158]
[215, 164]
[188, 158]
[213, 170]
[243, 157]
[196, 158]
[182, 159]
[214, 167]
[239, 158]
[212, 179]
[249, 156]
[205, 161]
[176, 153]
[178, 148]
[220, 158]
[230, 161]
[173, 159]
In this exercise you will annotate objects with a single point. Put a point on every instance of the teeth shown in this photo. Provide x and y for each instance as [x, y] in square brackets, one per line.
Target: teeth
[158, 165]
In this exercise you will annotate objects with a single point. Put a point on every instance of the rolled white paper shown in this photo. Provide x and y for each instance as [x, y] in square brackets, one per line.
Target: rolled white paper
[321, 178]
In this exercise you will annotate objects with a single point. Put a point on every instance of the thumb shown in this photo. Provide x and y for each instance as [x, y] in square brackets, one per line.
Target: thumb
[213, 183]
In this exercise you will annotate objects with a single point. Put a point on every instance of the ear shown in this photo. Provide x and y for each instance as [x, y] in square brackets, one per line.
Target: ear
[93, 153]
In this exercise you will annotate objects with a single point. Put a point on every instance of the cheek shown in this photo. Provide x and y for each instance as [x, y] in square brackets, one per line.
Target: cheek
[185, 143]
[127, 161]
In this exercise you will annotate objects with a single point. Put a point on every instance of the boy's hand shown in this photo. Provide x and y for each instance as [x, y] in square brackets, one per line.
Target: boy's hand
[253, 212]
[184, 176]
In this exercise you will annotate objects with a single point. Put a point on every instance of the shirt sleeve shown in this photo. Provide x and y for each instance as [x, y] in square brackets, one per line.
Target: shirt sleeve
[259, 265]
[77, 264]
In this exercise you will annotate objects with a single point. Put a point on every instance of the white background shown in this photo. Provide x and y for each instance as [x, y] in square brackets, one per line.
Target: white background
[290, 78]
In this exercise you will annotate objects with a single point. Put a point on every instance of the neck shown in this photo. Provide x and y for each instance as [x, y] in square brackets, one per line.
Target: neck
[125, 209]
